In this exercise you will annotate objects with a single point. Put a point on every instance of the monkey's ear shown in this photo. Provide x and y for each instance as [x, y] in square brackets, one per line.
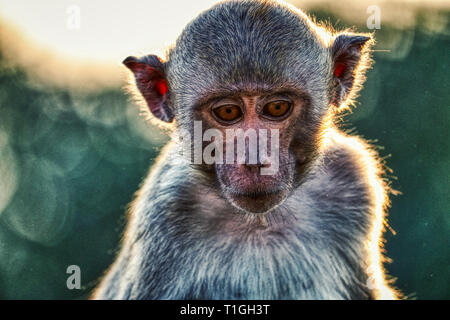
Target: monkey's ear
[351, 57]
[152, 83]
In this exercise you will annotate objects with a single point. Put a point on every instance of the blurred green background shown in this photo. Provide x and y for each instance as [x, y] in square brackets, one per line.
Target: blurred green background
[71, 159]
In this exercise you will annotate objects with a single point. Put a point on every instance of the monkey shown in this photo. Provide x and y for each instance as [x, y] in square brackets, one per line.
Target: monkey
[311, 229]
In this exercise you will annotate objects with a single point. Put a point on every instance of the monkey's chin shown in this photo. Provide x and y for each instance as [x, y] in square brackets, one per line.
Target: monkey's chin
[257, 203]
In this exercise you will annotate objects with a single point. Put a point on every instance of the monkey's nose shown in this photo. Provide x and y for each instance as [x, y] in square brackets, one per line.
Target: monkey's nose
[255, 167]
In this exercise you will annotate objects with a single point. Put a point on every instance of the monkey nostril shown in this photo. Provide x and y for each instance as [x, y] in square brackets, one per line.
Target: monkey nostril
[258, 165]
[255, 167]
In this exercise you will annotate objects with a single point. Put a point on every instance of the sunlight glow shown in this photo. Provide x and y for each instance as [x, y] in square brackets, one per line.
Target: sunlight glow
[108, 30]
[82, 43]
[372, 168]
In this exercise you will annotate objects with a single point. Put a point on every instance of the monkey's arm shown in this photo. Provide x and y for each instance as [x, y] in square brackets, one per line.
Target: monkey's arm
[152, 200]
[353, 195]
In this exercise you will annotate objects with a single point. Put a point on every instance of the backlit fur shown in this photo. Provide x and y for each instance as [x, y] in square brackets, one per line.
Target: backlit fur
[185, 241]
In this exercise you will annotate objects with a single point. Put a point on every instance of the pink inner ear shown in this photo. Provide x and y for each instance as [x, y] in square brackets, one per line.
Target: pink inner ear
[161, 87]
[339, 69]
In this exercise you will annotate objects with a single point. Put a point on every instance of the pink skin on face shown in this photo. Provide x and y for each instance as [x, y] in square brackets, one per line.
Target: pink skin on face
[243, 184]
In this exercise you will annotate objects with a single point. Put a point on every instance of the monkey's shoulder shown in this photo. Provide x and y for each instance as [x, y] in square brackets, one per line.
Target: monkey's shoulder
[352, 159]
[350, 175]
[167, 182]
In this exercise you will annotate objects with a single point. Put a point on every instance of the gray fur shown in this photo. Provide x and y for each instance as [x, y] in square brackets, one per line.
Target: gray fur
[185, 241]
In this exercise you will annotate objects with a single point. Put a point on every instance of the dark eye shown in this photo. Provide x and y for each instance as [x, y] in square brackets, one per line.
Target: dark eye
[228, 113]
[276, 109]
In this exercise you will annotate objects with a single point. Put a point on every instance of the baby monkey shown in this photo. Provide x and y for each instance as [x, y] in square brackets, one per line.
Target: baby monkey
[301, 218]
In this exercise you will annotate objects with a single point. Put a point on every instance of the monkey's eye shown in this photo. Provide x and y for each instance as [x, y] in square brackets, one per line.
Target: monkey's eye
[276, 109]
[228, 113]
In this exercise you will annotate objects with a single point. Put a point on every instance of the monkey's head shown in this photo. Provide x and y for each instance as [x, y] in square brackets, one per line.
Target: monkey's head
[255, 65]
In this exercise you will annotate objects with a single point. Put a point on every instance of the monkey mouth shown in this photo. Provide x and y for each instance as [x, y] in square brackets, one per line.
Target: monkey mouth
[256, 194]
[257, 201]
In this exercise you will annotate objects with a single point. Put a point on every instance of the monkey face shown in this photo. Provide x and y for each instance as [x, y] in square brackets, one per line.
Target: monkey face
[252, 66]
[253, 133]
